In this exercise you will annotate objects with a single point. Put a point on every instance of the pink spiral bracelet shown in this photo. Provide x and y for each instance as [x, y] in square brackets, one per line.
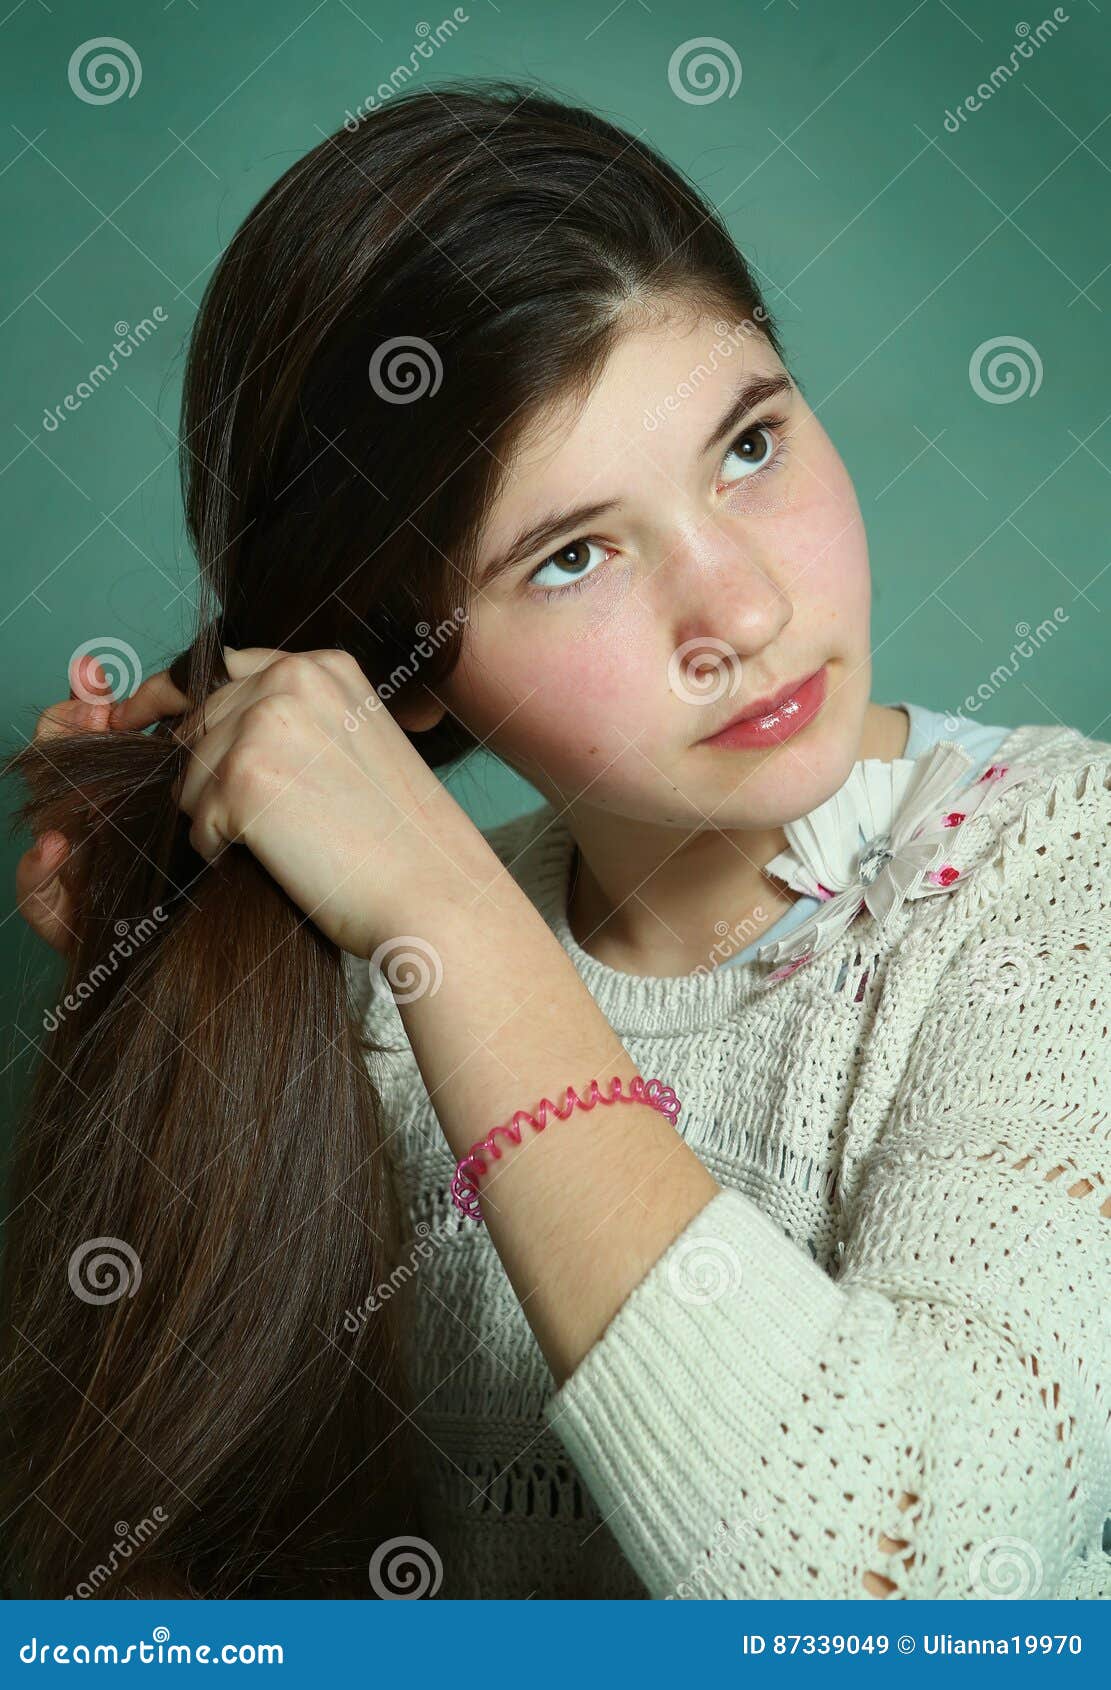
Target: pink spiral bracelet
[464, 1184]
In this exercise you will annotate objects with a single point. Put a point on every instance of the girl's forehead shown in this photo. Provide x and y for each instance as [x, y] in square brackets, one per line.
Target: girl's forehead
[670, 386]
[654, 378]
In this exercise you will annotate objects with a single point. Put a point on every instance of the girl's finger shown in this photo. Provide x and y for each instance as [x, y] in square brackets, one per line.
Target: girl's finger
[45, 905]
[210, 731]
[158, 697]
[66, 717]
[88, 682]
[240, 661]
[85, 709]
[221, 711]
[206, 756]
[153, 699]
[242, 667]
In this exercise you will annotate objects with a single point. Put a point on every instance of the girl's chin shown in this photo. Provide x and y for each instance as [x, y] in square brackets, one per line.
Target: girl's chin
[789, 784]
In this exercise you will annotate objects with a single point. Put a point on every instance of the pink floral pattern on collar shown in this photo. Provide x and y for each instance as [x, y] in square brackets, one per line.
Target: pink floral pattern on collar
[881, 839]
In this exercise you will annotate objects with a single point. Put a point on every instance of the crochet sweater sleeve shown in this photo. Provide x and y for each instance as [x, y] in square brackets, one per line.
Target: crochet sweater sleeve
[934, 1421]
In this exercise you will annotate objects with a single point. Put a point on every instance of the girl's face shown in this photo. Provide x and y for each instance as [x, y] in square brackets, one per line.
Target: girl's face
[722, 557]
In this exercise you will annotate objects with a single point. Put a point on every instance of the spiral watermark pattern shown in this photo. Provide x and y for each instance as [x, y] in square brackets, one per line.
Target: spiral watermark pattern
[411, 966]
[703, 1269]
[702, 670]
[1006, 1568]
[405, 368]
[1005, 967]
[118, 660]
[702, 69]
[405, 1569]
[109, 1266]
[104, 69]
[1005, 369]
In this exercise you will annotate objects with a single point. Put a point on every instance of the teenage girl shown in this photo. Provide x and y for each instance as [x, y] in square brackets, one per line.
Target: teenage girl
[790, 1277]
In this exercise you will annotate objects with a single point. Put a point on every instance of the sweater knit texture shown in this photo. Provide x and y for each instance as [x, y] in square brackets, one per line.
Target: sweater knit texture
[884, 1346]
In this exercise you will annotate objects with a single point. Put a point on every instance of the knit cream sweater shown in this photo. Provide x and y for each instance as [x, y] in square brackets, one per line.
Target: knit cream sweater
[884, 1348]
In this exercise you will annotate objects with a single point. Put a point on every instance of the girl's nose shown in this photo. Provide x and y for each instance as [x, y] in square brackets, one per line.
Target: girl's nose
[726, 594]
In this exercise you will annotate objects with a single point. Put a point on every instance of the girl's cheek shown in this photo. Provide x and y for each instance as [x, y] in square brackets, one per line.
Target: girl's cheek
[602, 673]
[824, 537]
[573, 686]
[829, 574]
[603, 615]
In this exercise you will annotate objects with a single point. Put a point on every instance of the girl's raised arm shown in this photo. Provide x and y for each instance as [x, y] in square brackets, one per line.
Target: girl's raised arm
[580, 1211]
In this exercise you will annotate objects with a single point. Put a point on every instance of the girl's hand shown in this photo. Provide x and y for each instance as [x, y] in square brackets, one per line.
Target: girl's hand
[299, 760]
[43, 901]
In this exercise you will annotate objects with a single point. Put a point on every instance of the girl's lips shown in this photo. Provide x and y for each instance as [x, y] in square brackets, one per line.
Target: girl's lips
[788, 717]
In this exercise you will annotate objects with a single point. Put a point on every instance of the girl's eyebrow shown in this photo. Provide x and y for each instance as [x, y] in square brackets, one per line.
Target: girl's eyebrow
[752, 391]
[549, 528]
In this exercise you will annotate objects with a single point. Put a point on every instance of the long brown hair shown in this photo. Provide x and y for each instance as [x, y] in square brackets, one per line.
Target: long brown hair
[201, 1185]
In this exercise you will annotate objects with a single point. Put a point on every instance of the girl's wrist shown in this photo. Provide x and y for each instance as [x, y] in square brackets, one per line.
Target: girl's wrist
[448, 868]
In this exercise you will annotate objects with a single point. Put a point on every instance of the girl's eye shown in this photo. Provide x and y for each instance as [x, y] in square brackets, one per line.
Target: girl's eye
[568, 571]
[570, 564]
[752, 452]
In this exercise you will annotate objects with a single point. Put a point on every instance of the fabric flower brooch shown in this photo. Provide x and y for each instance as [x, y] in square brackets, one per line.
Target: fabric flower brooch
[882, 838]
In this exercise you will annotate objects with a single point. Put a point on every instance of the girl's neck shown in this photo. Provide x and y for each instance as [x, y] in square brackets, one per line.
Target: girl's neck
[666, 919]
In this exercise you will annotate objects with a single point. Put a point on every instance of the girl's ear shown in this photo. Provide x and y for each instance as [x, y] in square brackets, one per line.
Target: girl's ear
[417, 710]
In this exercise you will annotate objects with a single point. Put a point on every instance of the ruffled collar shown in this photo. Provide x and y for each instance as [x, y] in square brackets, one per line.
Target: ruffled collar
[881, 839]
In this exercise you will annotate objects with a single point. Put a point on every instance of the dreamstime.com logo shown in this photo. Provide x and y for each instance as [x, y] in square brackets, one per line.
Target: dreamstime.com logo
[726, 1538]
[127, 339]
[1029, 40]
[428, 640]
[129, 938]
[730, 336]
[428, 40]
[119, 662]
[1006, 966]
[732, 937]
[128, 1539]
[422, 1252]
[159, 1650]
[1005, 1568]
[997, 1283]
[1029, 640]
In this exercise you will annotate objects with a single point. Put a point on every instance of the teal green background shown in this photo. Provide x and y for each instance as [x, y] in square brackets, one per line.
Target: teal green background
[890, 249]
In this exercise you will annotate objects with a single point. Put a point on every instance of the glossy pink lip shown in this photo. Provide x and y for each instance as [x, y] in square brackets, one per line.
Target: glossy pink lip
[768, 722]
